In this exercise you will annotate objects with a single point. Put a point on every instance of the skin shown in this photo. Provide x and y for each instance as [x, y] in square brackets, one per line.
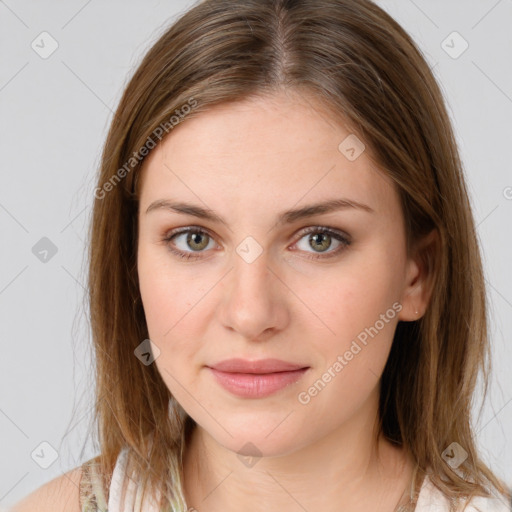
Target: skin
[248, 162]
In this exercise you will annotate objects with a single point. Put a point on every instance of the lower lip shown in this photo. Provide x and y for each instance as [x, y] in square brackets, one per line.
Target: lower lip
[252, 385]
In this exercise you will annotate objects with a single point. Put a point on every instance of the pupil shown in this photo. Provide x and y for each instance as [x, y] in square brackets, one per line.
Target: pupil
[194, 238]
[320, 236]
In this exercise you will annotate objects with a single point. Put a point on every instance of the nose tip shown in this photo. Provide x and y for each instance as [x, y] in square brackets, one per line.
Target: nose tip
[251, 305]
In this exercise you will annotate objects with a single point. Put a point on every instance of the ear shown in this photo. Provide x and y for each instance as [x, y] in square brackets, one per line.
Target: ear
[419, 277]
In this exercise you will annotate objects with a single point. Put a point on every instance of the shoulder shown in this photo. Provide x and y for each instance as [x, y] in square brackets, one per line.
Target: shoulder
[58, 495]
[496, 503]
[432, 499]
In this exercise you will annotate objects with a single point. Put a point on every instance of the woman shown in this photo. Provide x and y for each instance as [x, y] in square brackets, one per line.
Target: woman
[238, 366]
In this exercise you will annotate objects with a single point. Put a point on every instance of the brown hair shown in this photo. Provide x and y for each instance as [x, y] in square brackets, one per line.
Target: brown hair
[359, 63]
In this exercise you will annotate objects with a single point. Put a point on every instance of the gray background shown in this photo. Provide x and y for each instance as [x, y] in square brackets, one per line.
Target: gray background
[54, 115]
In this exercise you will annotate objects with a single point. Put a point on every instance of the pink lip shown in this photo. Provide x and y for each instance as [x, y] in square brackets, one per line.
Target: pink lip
[262, 366]
[256, 379]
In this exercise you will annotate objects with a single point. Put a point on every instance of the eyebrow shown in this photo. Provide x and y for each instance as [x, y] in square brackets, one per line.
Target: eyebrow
[285, 217]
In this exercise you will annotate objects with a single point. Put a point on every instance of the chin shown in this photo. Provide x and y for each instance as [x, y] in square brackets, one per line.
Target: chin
[262, 439]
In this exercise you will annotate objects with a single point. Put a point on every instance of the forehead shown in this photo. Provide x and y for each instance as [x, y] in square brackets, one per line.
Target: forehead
[271, 149]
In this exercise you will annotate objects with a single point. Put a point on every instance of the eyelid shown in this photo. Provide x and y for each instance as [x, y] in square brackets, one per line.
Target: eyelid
[343, 238]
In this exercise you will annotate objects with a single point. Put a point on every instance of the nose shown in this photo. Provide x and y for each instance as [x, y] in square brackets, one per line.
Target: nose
[254, 298]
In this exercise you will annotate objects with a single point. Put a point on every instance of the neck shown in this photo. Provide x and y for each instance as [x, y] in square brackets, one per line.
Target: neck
[353, 466]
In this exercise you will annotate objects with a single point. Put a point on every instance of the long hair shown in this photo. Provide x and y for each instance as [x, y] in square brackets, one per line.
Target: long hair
[366, 70]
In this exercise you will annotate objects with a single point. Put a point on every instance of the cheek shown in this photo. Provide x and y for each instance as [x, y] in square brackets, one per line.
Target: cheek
[167, 300]
[157, 290]
[355, 295]
[167, 292]
[359, 306]
[359, 309]
[176, 306]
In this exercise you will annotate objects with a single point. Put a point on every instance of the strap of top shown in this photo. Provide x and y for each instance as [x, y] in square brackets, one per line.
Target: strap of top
[92, 494]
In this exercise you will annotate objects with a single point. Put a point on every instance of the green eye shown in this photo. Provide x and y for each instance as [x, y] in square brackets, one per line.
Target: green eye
[195, 240]
[322, 240]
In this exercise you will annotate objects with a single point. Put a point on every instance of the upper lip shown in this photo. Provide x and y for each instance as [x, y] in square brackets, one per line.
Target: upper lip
[260, 366]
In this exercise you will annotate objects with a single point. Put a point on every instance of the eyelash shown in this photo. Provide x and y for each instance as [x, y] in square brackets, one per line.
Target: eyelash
[345, 242]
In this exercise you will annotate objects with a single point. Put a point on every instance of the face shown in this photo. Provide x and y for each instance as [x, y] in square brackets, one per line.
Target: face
[322, 292]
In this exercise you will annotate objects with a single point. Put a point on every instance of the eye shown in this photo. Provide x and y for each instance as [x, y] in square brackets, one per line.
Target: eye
[322, 240]
[192, 238]
[198, 240]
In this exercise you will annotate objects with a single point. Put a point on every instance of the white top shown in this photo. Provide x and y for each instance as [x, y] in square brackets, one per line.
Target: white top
[430, 499]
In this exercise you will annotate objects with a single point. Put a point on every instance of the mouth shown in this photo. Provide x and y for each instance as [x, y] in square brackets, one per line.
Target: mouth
[256, 379]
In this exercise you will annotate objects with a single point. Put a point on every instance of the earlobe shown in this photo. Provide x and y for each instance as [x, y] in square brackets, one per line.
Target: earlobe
[419, 278]
[412, 303]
